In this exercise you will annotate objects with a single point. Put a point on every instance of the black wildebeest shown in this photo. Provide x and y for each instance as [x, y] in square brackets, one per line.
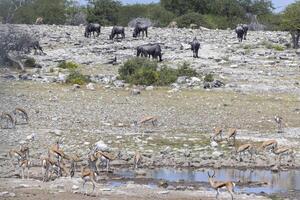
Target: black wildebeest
[153, 50]
[195, 45]
[116, 30]
[140, 28]
[240, 33]
[245, 27]
[92, 27]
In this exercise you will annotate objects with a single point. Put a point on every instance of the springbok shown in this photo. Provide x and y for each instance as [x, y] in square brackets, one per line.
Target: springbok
[221, 184]
[152, 119]
[245, 148]
[137, 159]
[22, 113]
[25, 164]
[232, 132]
[88, 174]
[279, 121]
[22, 154]
[284, 151]
[269, 145]
[217, 132]
[7, 121]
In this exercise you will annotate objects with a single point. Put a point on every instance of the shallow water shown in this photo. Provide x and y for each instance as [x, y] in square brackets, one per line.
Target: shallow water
[280, 182]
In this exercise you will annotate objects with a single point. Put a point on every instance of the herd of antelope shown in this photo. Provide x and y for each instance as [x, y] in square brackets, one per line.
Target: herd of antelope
[59, 163]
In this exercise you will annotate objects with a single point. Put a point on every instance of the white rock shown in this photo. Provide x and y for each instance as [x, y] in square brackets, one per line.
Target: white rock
[75, 187]
[148, 88]
[101, 146]
[213, 144]
[90, 86]
[164, 192]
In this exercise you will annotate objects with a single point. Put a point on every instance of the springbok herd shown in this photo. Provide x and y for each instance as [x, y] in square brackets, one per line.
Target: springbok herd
[58, 163]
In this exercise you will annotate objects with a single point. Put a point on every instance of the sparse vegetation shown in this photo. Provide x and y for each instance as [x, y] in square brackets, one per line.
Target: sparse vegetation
[185, 70]
[75, 77]
[141, 71]
[270, 45]
[29, 62]
[67, 65]
[209, 78]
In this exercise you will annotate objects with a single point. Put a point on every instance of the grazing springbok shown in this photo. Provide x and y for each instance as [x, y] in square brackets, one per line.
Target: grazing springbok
[59, 155]
[137, 159]
[21, 154]
[245, 148]
[217, 132]
[25, 164]
[88, 174]
[269, 145]
[284, 151]
[52, 166]
[39, 20]
[151, 119]
[22, 113]
[279, 121]
[106, 157]
[231, 135]
[229, 185]
[7, 121]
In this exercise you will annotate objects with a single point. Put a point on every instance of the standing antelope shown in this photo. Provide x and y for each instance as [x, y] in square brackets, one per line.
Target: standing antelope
[278, 121]
[52, 166]
[25, 164]
[217, 132]
[245, 148]
[152, 119]
[269, 145]
[56, 152]
[22, 113]
[22, 154]
[137, 159]
[284, 151]
[220, 184]
[231, 135]
[7, 121]
[88, 174]
[107, 157]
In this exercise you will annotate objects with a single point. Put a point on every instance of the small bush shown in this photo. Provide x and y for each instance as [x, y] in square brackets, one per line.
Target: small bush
[141, 71]
[67, 65]
[167, 76]
[191, 18]
[30, 62]
[278, 47]
[76, 77]
[209, 78]
[185, 70]
[270, 45]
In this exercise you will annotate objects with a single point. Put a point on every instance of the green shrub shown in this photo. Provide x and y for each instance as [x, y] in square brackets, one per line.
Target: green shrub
[67, 65]
[278, 47]
[270, 45]
[167, 76]
[209, 78]
[141, 71]
[191, 18]
[30, 62]
[185, 70]
[76, 77]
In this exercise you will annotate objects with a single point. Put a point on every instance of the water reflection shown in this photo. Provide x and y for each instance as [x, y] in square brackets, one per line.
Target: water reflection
[281, 182]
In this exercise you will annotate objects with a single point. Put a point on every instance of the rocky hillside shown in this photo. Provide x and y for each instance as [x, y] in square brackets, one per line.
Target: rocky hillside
[261, 63]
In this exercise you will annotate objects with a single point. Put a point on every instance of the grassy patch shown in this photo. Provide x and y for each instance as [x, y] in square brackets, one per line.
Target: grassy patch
[270, 45]
[76, 77]
[30, 62]
[209, 78]
[67, 65]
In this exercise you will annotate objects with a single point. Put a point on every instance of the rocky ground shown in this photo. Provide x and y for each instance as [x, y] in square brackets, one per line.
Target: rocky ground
[259, 84]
